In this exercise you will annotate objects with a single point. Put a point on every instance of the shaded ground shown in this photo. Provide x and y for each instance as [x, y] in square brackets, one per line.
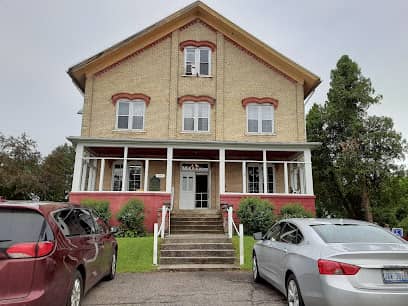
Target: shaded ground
[183, 288]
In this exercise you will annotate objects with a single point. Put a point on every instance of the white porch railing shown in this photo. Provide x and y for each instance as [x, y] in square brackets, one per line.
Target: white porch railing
[240, 233]
[160, 231]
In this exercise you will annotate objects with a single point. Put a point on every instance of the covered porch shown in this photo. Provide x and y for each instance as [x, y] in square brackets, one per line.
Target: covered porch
[191, 175]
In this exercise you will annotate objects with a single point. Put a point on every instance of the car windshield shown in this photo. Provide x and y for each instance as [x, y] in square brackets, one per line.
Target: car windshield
[354, 233]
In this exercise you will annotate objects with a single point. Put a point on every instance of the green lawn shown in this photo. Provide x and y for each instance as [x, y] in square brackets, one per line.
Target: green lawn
[135, 254]
[248, 244]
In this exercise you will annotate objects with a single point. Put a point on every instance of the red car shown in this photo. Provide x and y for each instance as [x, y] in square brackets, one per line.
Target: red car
[52, 254]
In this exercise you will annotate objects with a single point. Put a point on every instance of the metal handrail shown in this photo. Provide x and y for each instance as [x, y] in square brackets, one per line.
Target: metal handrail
[240, 233]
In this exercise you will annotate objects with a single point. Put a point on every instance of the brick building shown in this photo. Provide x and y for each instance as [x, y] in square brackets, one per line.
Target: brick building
[194, 111]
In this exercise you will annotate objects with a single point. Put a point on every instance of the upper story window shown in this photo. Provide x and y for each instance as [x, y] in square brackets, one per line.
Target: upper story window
[197, 61]
[130, 115]
[196, 117]
[260, 118]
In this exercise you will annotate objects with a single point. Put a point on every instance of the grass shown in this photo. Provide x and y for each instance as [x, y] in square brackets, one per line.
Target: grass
[135, 254]
[248, 244]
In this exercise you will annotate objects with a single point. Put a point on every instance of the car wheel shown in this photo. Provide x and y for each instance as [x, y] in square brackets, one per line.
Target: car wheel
[293, 292]
[255, 271]
[112, 271]
[75, 296]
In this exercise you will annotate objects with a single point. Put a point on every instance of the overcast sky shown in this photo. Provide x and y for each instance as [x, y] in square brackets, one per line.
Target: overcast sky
[40, 40]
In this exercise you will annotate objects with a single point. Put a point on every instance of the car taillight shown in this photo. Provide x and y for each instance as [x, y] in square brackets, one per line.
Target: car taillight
[30, 249]
[329, 267]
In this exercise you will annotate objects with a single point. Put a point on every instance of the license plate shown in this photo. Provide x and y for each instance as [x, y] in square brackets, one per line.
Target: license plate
[395, 276]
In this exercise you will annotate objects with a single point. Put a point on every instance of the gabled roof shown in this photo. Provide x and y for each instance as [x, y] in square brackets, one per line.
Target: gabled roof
[166, 26]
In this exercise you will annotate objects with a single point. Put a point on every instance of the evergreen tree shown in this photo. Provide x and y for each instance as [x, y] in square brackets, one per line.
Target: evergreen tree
[358, 151]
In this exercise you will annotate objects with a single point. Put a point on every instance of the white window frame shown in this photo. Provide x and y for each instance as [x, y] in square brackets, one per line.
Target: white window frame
[131, 114]
[195, 69]
[129, 164]
[259, 119]
[261, 176]
[195, 117]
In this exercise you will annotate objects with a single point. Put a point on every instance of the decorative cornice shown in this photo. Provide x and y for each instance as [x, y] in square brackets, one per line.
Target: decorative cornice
[257, 58]
[190, 98]
[129, 96]
[197, 20]
[263, 100]
[137, 52]
[196, 43]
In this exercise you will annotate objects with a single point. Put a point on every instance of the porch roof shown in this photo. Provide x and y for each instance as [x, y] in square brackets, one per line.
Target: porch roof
[191, 144]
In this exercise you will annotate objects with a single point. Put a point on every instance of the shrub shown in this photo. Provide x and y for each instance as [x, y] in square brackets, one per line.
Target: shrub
[295, 210]
[131, 217]
[256, 215]
[101, 207]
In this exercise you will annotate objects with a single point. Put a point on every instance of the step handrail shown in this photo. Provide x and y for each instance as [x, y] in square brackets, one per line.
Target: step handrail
[240, 233]
[160, 231]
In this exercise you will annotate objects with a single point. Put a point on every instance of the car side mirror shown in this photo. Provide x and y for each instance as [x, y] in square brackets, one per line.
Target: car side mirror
[258, 236]
[113, 230]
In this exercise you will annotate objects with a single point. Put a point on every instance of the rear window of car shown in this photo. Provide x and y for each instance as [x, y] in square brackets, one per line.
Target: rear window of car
[354, 233]
[22, 225]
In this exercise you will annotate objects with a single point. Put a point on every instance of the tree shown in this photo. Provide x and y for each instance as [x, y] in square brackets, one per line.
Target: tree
[57, 171]
[358, 151]
[19, 167]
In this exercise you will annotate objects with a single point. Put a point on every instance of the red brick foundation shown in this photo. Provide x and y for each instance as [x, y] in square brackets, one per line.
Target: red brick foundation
[152, 202]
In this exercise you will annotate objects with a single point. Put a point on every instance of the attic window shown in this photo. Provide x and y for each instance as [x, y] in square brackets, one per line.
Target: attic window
[197, 61]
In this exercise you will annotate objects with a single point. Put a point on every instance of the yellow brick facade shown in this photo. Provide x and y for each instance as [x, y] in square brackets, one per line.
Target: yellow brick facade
[158, 72]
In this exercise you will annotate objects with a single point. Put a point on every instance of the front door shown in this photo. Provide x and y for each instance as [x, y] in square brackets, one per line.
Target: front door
[187, 190]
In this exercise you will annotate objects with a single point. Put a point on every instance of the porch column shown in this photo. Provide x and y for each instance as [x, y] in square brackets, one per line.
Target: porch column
[285, 176]
[84, 172]
[265, 172]
[146, 176]
[169, 170]
[101, 174]
[244, 177]
[222, 170]
[308, 171]
[76, 178]
[124, 173]
[91, 175]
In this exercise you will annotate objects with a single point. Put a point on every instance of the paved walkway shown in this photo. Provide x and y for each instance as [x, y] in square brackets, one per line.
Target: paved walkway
[183, 288]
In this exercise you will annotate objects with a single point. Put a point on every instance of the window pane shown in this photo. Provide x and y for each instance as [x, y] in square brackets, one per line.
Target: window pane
[188, 109]
[253, 111]
[203, 110]
[253, 179]
[190, 55]
[123, 122]
[188, 69]
[123, 108]
[204, 69]
[203, 124]
[266, 112]
[252, 126]
[188, 124]
[137, 123]
[267, 126]
[204, 55]
[270, 180]
[138, 108]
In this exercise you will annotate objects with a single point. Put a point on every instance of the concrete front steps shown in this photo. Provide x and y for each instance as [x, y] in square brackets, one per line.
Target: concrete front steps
[197, 243]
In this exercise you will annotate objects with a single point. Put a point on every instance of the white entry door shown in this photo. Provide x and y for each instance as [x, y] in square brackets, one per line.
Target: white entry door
[187, 190]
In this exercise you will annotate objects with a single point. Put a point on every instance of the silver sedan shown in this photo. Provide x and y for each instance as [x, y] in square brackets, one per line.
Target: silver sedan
[333, 262]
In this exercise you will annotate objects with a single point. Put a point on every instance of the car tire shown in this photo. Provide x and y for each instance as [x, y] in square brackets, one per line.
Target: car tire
[293, 294]
[255, 271]
[76, 292]
[112, 272]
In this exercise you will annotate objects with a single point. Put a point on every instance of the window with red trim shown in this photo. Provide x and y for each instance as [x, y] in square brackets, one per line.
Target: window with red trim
[260, 118]
[197, 61]
[130, 114]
